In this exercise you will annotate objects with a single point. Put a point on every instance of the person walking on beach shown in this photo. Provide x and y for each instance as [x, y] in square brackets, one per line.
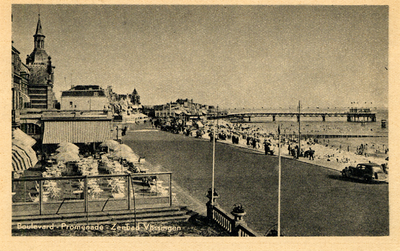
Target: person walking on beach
[311, 154]
[254, 143]
[266, 147]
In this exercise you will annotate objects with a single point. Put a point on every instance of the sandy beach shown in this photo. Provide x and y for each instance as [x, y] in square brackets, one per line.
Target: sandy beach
[339, 151]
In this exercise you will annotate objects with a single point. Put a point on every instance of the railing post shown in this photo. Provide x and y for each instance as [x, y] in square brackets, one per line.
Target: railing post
[40, 196]
[210, 204]
[129, 191]
[170, 189]
[86, 199]
[24, 191]
[238, 221]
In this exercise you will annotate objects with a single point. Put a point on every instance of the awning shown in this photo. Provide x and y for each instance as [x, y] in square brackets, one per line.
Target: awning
[56, 132]
[21, 138]
[23, 157]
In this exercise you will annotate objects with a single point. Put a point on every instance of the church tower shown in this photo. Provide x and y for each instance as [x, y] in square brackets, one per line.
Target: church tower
[40, 89]
[135, 97]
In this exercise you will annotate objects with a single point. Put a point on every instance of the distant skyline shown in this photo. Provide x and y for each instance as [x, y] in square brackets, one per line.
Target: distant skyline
[230, 56]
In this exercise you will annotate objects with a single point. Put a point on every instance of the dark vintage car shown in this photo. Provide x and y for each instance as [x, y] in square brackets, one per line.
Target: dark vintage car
[365, 171]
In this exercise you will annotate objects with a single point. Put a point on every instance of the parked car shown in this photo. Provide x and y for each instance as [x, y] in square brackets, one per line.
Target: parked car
[365, 171]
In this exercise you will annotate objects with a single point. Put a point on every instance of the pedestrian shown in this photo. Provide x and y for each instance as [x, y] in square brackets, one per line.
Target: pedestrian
[311, 154]
[266, 147]
[123, 131]
[289, 149]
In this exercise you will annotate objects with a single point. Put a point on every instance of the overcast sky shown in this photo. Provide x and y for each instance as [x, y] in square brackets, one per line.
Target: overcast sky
[231, 56]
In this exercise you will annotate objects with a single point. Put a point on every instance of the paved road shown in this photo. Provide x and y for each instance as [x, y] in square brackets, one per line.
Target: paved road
[315, 201]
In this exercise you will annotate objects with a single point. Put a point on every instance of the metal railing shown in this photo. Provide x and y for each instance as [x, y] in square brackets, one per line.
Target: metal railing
[72, 194]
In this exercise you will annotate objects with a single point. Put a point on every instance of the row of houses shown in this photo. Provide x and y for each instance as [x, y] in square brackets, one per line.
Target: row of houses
[84, 114]
[37, 113]
[182, 108]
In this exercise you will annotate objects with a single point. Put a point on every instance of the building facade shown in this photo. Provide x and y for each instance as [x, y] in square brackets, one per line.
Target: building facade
[85, 98]
[182, 108]
[19, 86]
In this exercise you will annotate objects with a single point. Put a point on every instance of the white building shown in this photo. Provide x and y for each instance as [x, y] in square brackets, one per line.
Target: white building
[85, 98]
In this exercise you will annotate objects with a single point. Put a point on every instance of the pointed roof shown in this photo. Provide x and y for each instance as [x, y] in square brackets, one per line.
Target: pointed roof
[134, 91]
[39, 31]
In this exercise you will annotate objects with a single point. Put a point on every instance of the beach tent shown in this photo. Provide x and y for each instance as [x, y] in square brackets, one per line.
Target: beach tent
[19, 137]
[130, 156]
[123, 148]
[23, 156]
[124, 151]
[62, 144]
[68, 148]
[67, 156]
[111, 144]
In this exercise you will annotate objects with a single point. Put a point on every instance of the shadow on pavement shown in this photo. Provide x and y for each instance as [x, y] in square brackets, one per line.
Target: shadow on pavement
[341, 178]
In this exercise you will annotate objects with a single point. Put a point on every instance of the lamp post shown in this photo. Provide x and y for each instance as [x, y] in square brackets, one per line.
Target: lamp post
[213, 163]
[117, 133]
[279, 181]
[299, 150]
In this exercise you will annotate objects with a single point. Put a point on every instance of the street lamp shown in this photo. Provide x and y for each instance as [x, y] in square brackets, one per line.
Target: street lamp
[279, 181]
[299, 150]
[213, 163]
[117, 133]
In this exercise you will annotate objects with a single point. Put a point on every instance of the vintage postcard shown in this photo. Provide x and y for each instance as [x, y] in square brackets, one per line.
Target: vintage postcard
[145, 120]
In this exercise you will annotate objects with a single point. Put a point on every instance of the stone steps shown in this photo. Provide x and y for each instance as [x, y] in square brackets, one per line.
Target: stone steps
[174, 213]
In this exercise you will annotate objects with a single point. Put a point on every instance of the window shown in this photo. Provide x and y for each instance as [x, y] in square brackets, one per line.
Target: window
[30, 128]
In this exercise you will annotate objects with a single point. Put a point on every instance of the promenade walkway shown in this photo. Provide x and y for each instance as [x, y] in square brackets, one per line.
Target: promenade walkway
[181, 196]
[249, 177]
[319, 162]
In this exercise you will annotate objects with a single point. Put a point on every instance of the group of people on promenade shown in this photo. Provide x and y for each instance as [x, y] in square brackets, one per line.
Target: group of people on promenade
[258, 138]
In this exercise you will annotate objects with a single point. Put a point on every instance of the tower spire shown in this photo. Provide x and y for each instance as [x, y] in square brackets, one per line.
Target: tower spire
[39, 37]
[39, 31]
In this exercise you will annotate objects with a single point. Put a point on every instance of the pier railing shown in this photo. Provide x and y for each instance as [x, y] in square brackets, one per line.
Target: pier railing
[232, 223]
[77, 194]
[358, 116]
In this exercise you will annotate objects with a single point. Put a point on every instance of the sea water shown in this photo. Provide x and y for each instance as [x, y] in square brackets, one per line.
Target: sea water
[334, 132]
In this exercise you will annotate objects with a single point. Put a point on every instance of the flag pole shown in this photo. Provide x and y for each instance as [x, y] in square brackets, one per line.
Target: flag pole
[213, 164]
[299, 150]
[279, 182]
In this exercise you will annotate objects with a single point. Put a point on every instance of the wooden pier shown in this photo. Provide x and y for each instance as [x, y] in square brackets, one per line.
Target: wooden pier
[354, 115]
